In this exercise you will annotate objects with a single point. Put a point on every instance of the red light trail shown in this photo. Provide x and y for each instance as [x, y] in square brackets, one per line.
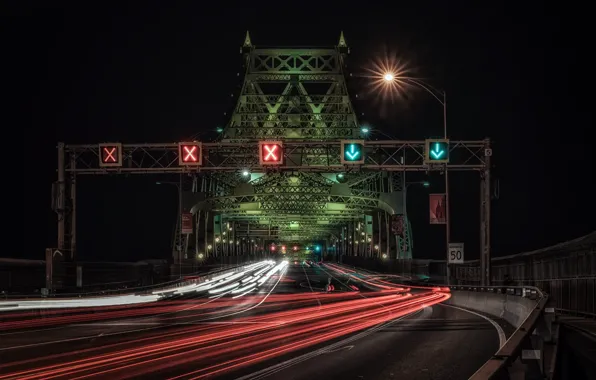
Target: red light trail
[286, 323]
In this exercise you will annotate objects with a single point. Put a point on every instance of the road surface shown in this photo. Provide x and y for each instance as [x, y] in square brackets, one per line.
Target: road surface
[288, 328]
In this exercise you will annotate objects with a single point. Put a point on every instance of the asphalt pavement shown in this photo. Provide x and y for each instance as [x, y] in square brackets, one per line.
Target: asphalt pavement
[436, 342]
[439, 342]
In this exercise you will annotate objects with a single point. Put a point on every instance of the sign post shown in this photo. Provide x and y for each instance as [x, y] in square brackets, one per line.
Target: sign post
[456, 253]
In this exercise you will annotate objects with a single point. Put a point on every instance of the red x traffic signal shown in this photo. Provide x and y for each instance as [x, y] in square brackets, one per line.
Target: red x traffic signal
[190, 153]
[110, 155]
[271, 152]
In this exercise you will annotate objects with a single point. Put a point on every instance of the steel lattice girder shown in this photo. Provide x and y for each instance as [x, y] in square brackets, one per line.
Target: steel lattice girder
[294, 202]
[277, 219]
[293, 94]
[304, 156]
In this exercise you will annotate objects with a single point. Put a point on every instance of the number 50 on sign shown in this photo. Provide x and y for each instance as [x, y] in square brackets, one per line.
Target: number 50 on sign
[456, 253]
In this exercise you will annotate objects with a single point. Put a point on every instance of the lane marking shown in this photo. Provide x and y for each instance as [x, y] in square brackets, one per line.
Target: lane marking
[310, 286]
[324, 350]
[500, 332]
[344, 348]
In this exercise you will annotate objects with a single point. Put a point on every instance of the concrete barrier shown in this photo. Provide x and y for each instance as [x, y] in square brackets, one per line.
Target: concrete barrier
[524, 308]
[511, 304]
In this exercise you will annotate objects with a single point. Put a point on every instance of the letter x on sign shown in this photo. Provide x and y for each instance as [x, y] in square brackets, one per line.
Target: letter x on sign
[190, 153]
[109, 154]
[271, 153]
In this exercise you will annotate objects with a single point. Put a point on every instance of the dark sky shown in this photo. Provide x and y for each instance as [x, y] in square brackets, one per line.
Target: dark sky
[521, 75]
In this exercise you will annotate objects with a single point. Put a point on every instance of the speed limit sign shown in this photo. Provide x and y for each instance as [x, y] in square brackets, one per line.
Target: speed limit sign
[456, 253]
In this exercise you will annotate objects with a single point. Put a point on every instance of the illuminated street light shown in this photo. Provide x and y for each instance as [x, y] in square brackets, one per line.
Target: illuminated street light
[209, 246]
[388, 77]
[245, 173]
[364, 130]
[377, 247]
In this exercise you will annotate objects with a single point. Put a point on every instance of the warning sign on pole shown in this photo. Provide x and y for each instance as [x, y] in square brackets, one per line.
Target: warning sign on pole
[438, 208]
[187, 223]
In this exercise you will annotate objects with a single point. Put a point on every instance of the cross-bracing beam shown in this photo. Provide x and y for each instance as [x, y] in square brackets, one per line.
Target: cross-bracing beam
[304, 156]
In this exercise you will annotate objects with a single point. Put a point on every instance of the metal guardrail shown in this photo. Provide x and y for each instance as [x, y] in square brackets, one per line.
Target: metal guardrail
[576, 313]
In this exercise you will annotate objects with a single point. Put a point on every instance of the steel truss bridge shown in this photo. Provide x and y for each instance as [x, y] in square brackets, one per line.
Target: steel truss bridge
[299, 97]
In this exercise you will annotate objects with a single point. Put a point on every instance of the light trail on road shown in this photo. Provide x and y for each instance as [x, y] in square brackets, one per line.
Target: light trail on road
[197, 338]
[251, 340]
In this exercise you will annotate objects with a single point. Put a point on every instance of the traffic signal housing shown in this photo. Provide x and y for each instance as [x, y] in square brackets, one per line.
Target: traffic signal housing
[352, 152]
[436, 151]
[271, 152]
[190, 153]
[110, 155]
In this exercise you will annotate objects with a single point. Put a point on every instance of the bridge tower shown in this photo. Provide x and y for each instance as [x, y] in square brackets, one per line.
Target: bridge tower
[293, 93]
[300, 94]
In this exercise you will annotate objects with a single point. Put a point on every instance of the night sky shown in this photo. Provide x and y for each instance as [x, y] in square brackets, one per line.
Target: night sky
[163, 73]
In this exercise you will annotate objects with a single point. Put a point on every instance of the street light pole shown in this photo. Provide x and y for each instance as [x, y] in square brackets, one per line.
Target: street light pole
[447, 215]
[443, 101]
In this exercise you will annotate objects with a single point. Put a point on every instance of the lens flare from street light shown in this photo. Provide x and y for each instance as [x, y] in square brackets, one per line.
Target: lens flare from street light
[385, 74]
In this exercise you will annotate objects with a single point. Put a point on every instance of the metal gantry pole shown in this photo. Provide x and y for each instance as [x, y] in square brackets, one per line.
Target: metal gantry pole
[180, 229]
[73, 208]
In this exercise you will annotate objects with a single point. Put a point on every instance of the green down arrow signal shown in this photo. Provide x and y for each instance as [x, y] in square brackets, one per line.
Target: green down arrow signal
[353, 152]
[437, 153]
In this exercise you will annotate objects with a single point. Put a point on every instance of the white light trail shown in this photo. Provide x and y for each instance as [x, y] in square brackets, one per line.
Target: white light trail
[223, 289]
[244, 288]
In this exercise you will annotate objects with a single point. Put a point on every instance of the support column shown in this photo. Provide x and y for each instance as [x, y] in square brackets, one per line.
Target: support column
[206, 237]
[380, 227]
[73, 208]
[197, 231]
[387, 241]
